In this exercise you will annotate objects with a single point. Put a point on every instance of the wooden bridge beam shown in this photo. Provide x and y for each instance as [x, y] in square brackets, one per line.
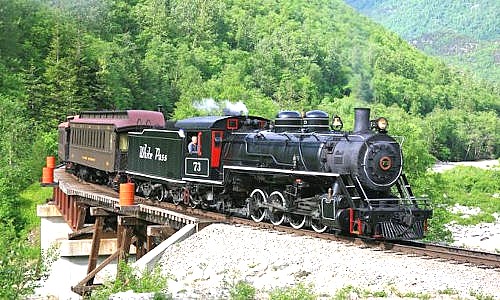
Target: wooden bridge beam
[99, 214]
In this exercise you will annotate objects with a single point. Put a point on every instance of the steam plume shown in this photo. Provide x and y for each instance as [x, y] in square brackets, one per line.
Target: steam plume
[211, 107]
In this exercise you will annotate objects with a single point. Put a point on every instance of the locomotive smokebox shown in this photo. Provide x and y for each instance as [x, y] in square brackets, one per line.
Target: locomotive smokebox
[361, 120]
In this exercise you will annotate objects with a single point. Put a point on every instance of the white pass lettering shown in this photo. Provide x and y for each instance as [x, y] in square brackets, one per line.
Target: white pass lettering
[146, 153]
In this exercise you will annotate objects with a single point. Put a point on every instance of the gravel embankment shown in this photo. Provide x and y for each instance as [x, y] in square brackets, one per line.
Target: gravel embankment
[205, 266]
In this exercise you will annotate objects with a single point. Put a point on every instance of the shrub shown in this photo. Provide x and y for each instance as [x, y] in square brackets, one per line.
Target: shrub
[129, 279]
[22, 268]
[242, 290]
[298, 292]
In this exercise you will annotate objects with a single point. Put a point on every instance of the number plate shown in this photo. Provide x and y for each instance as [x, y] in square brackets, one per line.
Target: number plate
[197, 166]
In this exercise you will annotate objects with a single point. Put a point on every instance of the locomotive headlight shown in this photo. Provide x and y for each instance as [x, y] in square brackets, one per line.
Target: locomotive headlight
[382, 124]
[337, 123]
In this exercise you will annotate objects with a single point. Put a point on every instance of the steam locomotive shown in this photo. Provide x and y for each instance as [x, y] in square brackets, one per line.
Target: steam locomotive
[296, 170]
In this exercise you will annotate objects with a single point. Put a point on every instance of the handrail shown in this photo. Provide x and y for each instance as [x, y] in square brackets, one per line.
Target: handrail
[423, 203]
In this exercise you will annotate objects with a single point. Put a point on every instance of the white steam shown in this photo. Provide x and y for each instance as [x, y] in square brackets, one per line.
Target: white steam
[211, 107]
[207, 105]
[235, 109]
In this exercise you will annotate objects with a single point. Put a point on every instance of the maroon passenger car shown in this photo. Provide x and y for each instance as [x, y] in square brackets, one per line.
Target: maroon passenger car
[94, 145]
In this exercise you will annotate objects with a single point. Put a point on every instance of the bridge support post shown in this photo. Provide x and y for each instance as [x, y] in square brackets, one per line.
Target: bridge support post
[125, 232]
[99, 214]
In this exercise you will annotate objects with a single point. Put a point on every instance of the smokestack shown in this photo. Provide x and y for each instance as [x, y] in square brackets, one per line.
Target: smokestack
[361, 120]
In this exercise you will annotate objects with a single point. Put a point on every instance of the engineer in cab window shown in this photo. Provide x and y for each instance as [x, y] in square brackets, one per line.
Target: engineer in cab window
[193, 146]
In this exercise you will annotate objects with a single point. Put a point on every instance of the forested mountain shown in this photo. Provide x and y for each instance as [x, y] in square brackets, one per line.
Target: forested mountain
[60, 57]
[464, 33]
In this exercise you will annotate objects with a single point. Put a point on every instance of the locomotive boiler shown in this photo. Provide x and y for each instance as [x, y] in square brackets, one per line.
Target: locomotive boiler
[302, 173]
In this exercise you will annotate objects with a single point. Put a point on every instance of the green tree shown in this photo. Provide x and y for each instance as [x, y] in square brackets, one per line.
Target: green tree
[21, 268]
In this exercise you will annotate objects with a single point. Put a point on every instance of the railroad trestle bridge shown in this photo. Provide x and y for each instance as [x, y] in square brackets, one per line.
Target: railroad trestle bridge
[95, 216]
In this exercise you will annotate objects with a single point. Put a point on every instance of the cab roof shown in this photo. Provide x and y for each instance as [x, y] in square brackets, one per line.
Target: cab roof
[210, 122]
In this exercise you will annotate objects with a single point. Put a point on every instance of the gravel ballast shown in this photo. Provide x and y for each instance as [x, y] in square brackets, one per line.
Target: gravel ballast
[207, 264]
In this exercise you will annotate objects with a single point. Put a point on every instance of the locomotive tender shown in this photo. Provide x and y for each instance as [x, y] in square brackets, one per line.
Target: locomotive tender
[295, 170]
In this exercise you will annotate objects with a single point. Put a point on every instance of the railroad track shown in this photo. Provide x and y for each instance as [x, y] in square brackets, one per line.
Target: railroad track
[461, 255]
[435, 251]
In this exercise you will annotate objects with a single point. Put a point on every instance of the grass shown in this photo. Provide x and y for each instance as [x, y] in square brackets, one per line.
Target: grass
[298, 292]
[245, 291]
[466, 186]
[481, 296]
[30, 198]
[129, 278]
[348, 291]
[242, 290]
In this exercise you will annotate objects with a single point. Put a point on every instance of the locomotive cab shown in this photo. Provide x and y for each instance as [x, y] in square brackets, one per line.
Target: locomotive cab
[166, 167]
[204, 165]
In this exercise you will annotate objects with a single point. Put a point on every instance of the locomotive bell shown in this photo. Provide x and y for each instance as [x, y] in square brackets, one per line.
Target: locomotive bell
[361, 120]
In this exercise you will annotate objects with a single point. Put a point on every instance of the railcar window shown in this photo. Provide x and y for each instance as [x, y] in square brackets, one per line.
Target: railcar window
[106, 138]
[76, 136]
[123, 142]
[99, 139]
[91, 135]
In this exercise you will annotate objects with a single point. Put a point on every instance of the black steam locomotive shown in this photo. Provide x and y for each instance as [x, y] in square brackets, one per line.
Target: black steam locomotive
[297, 170]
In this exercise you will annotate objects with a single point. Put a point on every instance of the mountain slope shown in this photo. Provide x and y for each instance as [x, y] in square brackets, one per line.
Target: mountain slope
[464, 33]
[269, 54]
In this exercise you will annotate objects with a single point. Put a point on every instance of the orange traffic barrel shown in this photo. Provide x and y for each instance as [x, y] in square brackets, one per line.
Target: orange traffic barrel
[48, 175]
[51, 162]
[127, 194]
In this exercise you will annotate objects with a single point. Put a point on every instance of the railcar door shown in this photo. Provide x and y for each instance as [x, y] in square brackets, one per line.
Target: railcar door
[63, 143]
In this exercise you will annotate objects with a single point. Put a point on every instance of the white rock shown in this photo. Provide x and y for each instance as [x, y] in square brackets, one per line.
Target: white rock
[207, 264]
[130, 295]
[482, 236]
